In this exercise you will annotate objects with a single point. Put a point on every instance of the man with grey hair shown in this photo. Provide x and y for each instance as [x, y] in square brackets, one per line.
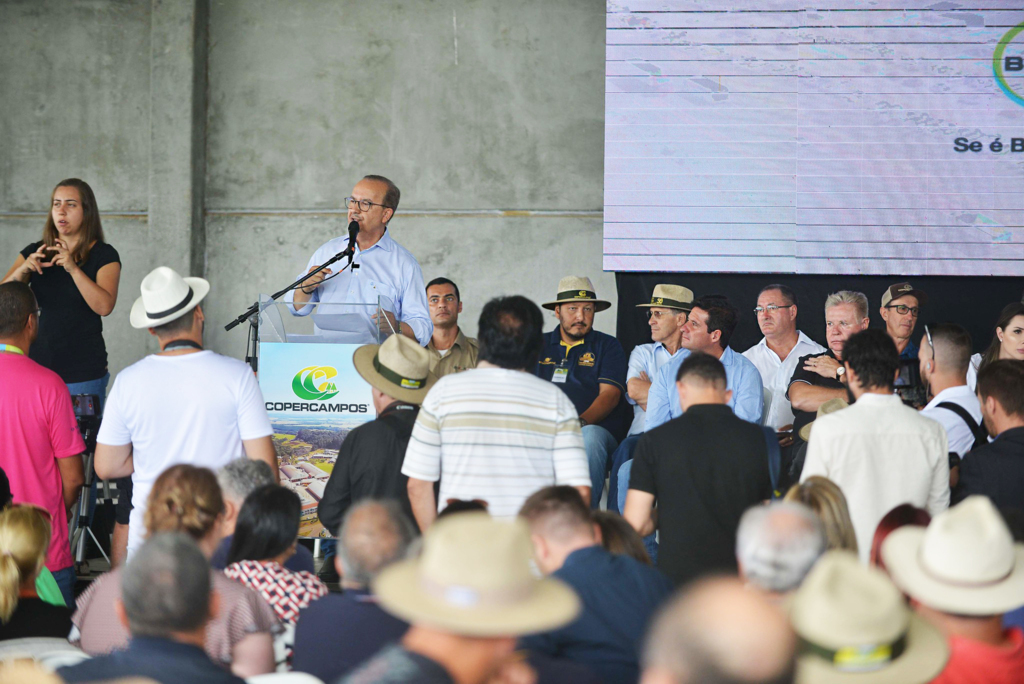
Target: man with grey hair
[718, 631]
[820, 377]
[337, 633]
[166, 601]
[237, 480]
[776, 546]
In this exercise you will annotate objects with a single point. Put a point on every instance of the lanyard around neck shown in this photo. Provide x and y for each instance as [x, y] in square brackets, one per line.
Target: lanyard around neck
[182, 344]
[11, 349]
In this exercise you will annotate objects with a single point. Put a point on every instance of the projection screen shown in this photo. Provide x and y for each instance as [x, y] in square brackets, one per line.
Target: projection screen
[843, 137]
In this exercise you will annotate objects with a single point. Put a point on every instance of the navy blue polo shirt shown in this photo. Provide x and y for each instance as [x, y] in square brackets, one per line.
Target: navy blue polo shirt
[595, 360]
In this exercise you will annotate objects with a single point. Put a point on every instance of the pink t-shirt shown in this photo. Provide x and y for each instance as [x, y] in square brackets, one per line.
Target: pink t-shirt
[37, 426]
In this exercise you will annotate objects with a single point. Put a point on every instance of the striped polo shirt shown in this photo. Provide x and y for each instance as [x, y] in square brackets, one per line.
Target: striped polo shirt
[496, 435]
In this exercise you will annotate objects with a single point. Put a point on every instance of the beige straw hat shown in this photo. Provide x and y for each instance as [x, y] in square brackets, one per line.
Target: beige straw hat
[671, 297]
[398, 368]
[577, 289]
[855, 628]
[964, 562]
[166, 296]
[830, 406]
[474, 579]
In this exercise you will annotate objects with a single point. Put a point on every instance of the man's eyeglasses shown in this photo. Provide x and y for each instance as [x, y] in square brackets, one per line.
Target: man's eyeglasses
[658, 315]
[771, 308]
[903, 309]
[364, 204]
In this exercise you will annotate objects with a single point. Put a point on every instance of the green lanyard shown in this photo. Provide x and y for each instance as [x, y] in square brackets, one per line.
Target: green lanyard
[10, 348]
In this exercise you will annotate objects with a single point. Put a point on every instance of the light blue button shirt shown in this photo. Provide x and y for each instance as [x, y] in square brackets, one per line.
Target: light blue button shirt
[645, 358]
[388, 270]
[742, 378]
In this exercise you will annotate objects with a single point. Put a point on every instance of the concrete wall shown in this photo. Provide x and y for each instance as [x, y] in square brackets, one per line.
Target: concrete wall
[488, 115]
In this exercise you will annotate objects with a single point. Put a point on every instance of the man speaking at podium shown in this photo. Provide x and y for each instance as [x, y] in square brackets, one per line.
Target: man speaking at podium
[380, 268]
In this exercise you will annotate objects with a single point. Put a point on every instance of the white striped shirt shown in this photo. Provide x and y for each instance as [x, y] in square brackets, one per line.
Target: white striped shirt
[496, 435]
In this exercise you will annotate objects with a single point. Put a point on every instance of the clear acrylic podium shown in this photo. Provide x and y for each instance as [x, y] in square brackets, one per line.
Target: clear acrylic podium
[313, 394]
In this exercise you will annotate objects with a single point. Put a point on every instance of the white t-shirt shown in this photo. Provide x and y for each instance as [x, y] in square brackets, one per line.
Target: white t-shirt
[497, 435]
[960, 437]
[192, 408]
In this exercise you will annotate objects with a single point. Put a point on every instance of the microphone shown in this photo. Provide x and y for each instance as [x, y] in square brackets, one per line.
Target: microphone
[353, 230]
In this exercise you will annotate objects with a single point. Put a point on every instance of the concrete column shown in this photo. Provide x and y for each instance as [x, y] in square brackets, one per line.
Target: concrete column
[177, 169]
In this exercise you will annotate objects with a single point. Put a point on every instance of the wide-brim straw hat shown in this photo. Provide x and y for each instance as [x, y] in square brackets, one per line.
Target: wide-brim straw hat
[671, 297]
[166, 296]
[855, 628]
[577, 289]
[399, 368]
[474, 579]
[965, 562]
[830, 406]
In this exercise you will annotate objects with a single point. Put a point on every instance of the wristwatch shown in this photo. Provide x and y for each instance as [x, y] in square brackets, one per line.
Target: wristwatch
[840, 372]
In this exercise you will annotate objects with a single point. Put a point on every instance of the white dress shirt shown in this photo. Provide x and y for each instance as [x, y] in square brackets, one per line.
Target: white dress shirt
[386, 270]
[645, 358]
[776, 373]
[959, 436]
[882, 454]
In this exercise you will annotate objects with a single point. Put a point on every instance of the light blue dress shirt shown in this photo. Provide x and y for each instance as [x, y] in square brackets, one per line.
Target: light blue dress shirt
[742, 377]
[388, 270]
[645, 358]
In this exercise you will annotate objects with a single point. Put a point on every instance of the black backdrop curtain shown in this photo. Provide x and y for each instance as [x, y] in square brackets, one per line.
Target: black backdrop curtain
[973, 302]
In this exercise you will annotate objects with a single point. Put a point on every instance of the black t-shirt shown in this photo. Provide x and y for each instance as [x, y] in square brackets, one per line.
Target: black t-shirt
[34, 617]
[801, 418]
[705, 468]
[70, 341]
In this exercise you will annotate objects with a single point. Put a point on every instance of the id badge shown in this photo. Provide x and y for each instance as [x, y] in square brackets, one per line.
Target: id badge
[561, 374]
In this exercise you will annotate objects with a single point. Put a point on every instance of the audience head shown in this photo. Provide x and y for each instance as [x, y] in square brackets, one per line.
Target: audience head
[473, 590]
[902, 515]
[618, 537]
[187, 499]
[73, 212]
[169, 305]
[901, 305]
[1001, 392]
[374, 534]
[1008, 338]
[854, 626]
[268, 525]
[19, 317]
[846, 313]
[710, 325]
[166, 588]
[872, 362]
[667, 312]
[444, 302]
[455, 506]
[824, 497]
[559, 523]
[701, 379]
[777, 545]
[237, 480]
[945, 354]
[776, 311]
[510, 333]
[396, 370]
[575, 306]
[718, 632]
[24, 541]
[964, 565]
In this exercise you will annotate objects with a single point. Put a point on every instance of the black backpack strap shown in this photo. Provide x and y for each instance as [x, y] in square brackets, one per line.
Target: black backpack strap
[980, 435]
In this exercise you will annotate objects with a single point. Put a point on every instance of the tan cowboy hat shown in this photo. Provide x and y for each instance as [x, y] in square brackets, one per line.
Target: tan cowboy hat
[671, 297]
[577, 289]
[830, 406]
[855, 628]
[166, 296]
[474, 579]
[399, 368]
[964, 562]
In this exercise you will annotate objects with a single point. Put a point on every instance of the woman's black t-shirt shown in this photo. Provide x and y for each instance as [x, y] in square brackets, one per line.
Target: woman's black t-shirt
[70, 341]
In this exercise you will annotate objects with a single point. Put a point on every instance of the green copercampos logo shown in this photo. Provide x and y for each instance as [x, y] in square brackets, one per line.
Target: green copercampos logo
[314, 383]
[1013, 63]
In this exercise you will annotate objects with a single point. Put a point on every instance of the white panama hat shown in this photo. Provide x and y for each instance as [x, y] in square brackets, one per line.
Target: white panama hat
[166, 296]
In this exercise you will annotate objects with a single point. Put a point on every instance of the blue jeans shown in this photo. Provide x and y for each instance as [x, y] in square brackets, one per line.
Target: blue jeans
[623, 454]
[599, 445]
[650, 541]
[66, 579]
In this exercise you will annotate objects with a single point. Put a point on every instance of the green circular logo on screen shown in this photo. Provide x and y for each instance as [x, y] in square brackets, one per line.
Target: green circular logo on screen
[314, 383]
[1012, 64]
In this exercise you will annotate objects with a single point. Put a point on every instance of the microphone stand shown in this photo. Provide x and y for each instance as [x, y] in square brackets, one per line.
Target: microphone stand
[252, 313]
